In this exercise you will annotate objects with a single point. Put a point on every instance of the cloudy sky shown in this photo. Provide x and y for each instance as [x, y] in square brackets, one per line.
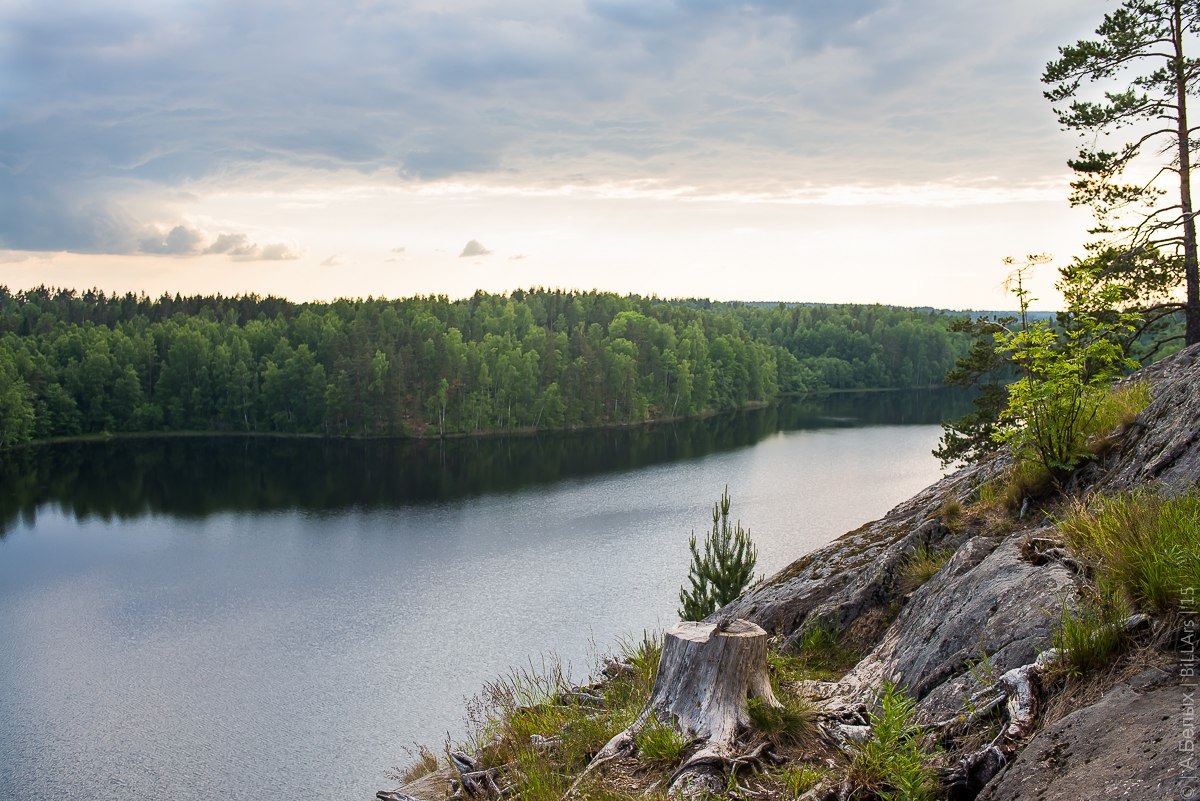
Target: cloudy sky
[858, 150]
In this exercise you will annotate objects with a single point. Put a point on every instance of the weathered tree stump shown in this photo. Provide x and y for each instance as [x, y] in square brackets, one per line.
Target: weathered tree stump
[707, 674]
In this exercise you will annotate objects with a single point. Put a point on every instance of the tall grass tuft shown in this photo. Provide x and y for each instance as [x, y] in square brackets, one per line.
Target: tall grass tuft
[819, 654]
[793, 722]
[539, 700]
[1119, 407]
[1144, 543]
[1093, 636]
[796, 780]
[659, 743]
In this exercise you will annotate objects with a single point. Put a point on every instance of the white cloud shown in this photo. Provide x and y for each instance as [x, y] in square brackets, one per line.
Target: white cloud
[277, 252]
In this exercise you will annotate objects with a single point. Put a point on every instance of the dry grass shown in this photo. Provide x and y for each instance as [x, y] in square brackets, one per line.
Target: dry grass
[1116, 412]
[424, 762]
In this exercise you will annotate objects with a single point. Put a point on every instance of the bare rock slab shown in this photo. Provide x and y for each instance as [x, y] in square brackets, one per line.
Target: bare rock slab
[987, 611]
[1128, 745]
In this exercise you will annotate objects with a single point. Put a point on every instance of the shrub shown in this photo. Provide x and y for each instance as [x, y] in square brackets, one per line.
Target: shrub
[892, 763]
[1056, 405]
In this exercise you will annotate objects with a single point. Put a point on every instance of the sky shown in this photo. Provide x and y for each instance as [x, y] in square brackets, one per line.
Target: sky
[871, 151]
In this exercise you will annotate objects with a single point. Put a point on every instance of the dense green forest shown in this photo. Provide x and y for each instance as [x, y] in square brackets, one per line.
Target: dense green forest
[78, 363]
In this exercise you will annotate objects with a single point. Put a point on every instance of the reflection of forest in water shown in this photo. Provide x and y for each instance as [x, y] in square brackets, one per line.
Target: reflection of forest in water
[198, 476]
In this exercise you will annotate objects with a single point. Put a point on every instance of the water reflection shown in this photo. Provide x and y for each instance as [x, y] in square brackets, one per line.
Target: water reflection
[194, 477]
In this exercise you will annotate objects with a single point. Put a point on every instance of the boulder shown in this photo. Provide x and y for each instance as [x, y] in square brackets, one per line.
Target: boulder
[1163, 446]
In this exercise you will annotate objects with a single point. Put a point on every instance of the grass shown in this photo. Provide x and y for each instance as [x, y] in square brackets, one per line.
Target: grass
[952, 515]
[536, 700]
[791, 723]
[819, 654]
[793, 781]
[1144, 551]
[893, 764]
[921, 565]
[1145, 545]
[660, 744]
[1118, 408]
[424, 763]
[1093, 636]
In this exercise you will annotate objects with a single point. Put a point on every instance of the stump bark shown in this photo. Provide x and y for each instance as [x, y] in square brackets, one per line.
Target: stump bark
[706, 676]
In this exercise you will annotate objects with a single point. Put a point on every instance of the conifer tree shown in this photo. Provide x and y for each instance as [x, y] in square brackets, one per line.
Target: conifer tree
[1141, 190]
[723, 570]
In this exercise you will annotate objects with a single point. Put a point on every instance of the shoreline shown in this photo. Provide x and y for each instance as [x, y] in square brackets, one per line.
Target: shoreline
[525, 432]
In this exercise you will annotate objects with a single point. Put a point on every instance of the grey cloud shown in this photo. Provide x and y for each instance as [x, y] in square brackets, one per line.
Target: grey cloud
[184, 241]
[100, 106]
[233, 244]
[40, 217]
[473, 248]
[179, 241]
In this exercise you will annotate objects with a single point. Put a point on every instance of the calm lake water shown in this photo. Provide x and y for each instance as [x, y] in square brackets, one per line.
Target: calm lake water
[231, 618]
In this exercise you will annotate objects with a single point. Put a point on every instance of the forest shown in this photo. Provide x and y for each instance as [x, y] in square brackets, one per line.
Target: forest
[78, 363]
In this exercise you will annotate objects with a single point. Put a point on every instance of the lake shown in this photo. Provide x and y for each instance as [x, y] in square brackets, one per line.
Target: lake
[241, 618]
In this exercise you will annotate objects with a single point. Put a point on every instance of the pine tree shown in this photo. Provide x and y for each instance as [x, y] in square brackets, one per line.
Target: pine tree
[724, 569]
[1140, 65]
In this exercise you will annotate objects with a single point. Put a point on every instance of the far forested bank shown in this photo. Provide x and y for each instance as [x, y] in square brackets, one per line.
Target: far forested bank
[76, 363]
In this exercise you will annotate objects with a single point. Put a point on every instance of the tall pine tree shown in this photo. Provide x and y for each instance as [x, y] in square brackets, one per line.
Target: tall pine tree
[1140, 192]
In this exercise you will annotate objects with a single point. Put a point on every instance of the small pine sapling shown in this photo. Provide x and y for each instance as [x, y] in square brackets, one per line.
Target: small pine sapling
[723, 570]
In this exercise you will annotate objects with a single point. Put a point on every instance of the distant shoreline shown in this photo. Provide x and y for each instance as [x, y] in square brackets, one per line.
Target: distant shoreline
[524, 432]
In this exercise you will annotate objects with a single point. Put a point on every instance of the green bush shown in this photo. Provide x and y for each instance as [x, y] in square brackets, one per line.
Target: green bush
[1066, 373]
[893, 764]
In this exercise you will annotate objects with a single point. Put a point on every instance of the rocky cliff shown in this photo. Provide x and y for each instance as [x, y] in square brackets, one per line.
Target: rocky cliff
[993, 606]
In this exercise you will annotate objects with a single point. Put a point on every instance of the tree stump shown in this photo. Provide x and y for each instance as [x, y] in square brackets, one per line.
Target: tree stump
[705, 677]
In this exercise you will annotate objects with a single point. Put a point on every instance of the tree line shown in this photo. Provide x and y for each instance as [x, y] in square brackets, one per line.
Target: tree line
[75, 363]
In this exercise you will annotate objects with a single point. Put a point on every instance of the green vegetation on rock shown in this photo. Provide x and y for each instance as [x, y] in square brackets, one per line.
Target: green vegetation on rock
[893, 762]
